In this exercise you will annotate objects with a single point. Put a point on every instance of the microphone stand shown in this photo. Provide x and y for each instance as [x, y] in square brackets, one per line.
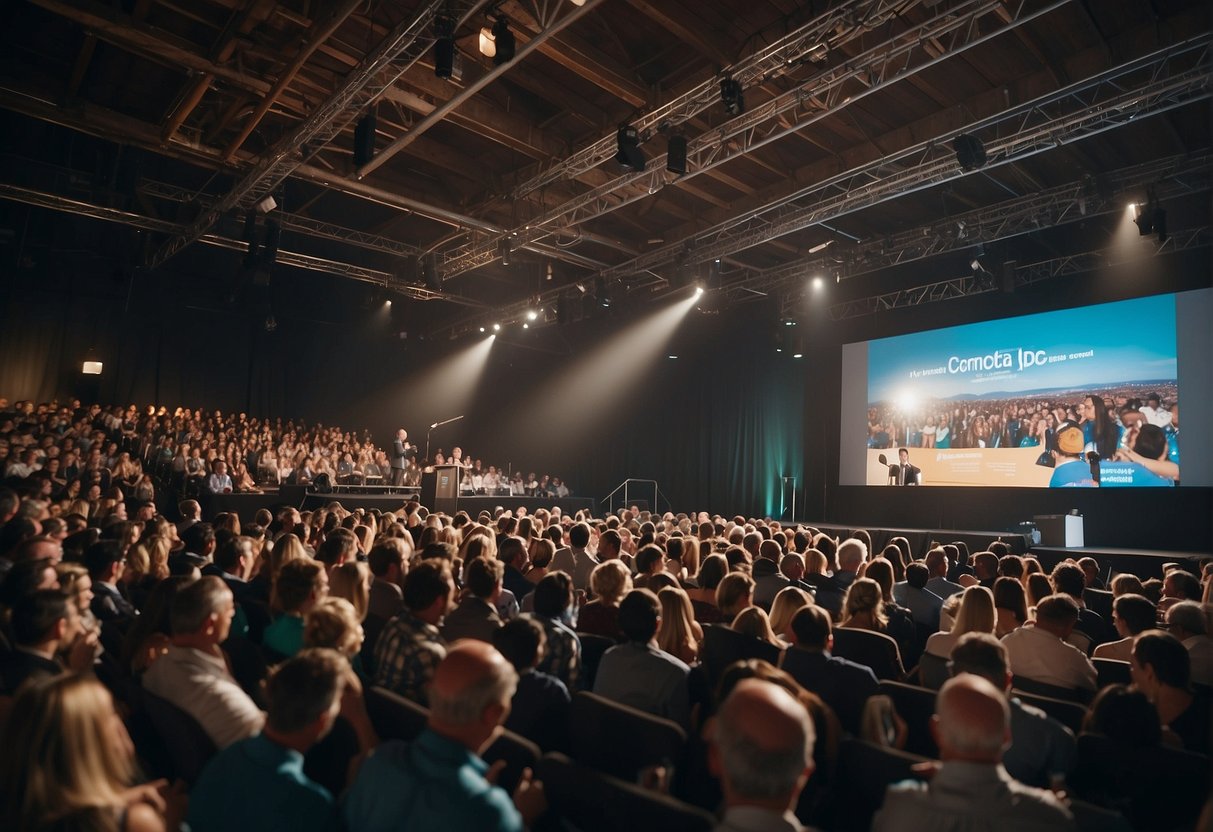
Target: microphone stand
[431, 430]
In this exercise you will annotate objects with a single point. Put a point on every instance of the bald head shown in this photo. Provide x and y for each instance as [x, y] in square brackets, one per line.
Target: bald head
[471, 692]
[764, 745]
[972, 720]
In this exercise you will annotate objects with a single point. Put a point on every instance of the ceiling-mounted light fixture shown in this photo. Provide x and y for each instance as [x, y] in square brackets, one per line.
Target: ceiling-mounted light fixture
[504, 38]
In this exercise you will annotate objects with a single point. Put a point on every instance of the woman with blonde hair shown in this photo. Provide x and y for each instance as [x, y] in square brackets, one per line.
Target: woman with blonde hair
[863, 608]
[334, 623]
[288, 548]
[69, 764]
[609, 582]
[787, 602]
[352, 581]
[976, 615]
[146, 566]
[753, 621]
[679, 634]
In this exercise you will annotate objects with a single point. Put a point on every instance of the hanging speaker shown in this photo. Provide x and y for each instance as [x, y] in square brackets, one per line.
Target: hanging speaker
[433, 280]
[676, 155]
[364, 139]
[269, 251]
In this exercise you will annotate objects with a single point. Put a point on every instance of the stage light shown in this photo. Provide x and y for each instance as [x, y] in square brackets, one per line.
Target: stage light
[1151, 218]
[526, 326]
[676, 155]
[732, 96]
[388, 303]
[531, 315]
[798, 355]
[975, 264]
[698, 291]
[364, 138]
[820, 247]
[496, 327]
[444, 46]
[818, 283]
[267, 204]
[482, 329]
[628, 152]
[581, 288]
[970, 152]
[487, 42]
[671, 356]
[91, 368]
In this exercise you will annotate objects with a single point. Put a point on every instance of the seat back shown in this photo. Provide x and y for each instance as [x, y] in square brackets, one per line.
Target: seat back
[1098, 601]
[394, 717]
[1069, 714]
[916, 706]
[1112, 672]
[722, 645]
[592, 648]
[189, 747]
[932, 671]
[865, 771]
[517, 752]
[581, 798]
[621, 740]
[1026, 685]
[876, 650]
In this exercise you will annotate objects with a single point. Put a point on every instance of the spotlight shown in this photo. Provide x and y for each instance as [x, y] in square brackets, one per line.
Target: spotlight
[526, 326]
[547, 273]
[581, 288]
[505, 42]
[798, 355]
[698, 291]
[1151, 218]
[388, 303]
[731, 95]
[970, 152]
[818, 283]
[267, 204]
[444, 46]
[531, 315]
[671, 356]
[91, 368]
[975, 264]
[482, 329]
[628, 152]
[496, 327]
[487, 42]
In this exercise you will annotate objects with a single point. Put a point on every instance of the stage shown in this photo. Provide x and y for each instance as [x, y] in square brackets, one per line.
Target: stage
[921, 539]
[246, 505]
[1145, 563]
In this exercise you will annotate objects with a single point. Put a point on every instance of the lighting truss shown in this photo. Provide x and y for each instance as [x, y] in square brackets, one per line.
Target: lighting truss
[961, 27]
[394, 56]
[969, 285]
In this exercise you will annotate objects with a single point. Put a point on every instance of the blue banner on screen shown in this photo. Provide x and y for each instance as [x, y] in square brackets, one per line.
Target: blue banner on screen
[1085, 397]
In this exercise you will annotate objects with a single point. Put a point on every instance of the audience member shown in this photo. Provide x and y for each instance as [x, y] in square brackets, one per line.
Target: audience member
[476, 616]
[539, 710]
[609, 582]
[553, 603]
[976, 615]
[439, 781]
[388, 563]
[912, 593]
[1040, 652]
[411, 645]
[843, 685]
[574, 559]
[971, 788]
[1188, 622]
[300, 586]
[1131, 615]
[45, 626]
[1162, 671]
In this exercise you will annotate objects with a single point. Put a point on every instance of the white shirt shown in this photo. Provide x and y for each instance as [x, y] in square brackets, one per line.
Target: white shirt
[200, 684]
[1039, 655]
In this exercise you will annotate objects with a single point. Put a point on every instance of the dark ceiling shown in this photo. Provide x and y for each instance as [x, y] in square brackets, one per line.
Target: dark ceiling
[497, 190]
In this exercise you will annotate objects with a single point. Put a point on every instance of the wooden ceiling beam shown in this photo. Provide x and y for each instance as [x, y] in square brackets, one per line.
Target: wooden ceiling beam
[687, 29]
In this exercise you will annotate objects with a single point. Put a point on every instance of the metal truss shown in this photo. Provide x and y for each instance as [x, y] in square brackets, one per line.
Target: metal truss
[1090, 196]
[921, 46]
[378, 71]
[57, 202]
[1153, 84]
[832, 29]
[969, 285]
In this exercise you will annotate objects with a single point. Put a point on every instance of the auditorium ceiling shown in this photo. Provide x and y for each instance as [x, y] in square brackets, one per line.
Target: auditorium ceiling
[629, 148]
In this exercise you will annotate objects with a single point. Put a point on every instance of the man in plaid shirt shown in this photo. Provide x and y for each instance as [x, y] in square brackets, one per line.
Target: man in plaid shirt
[554, 612]
[410, 646]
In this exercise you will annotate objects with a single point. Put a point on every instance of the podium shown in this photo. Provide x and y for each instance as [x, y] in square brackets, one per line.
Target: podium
[1060, 530]
[440, 489]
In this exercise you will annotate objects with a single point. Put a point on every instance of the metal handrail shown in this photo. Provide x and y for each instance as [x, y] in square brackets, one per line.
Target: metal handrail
[624, 486]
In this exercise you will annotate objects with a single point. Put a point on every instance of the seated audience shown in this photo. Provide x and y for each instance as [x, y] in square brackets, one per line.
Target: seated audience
[512, 551]
[762, 751]
[843, 685]
[300, 586]
[1131, 616]
[539, 710]
[787, 602]
[971, 726]
[679, 634]
[47, 637]
[553, 603]
[411, 645]
[768, 580]
[1162, 671]
[105, 562]
[258, 783]
[976, 615]
[388, 562]
[864, 610]
[1040, 652]
[69, 764]
[1068, 578]
[924, 605]
[476, 616]
[1010, 605]
[438, 781]
[609, 582]
[1041, 748]
[333, 624]
[937, 565]
[1188, 622]
[193, 673]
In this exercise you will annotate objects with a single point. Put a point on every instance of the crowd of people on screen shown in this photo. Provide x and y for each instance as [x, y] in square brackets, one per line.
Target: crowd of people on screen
[798, 665]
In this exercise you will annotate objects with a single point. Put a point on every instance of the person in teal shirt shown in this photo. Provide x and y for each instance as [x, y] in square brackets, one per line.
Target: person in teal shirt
[439, 780]
[301, 584]
[258, 784]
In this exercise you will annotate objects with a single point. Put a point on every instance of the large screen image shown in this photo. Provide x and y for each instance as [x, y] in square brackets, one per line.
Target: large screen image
[1085, 397]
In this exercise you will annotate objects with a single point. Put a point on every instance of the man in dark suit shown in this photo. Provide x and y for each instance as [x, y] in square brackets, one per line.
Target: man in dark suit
[105, 564]
[904, 473]
[843, 685]
[45, 623]
[402, 452]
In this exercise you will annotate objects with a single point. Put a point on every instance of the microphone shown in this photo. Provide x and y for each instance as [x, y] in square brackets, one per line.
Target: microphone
[882, 459]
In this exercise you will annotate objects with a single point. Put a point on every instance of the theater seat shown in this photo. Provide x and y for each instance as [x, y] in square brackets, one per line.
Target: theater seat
[1112, 672]
[620, 740]
[189, 746]
[933, 671]
[916, 706]
[865, 771]
[592, 648]
[1069, 714]
[866, 647]
[581, 798]
[1079, 695]
[722, 645]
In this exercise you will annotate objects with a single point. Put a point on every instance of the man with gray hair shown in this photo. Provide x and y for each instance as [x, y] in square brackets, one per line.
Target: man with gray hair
[439, 781]
[762, 752]
[971, 789]
[1187, 621]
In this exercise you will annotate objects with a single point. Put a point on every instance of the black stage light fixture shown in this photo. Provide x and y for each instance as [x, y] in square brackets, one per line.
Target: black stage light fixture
[970, 152]
[628, 151]
[505, 42]
[732, 96]
[1151, 218]
[250, 237]
[364, 138]
[503, 251]
[444, 46]
[676, 155]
